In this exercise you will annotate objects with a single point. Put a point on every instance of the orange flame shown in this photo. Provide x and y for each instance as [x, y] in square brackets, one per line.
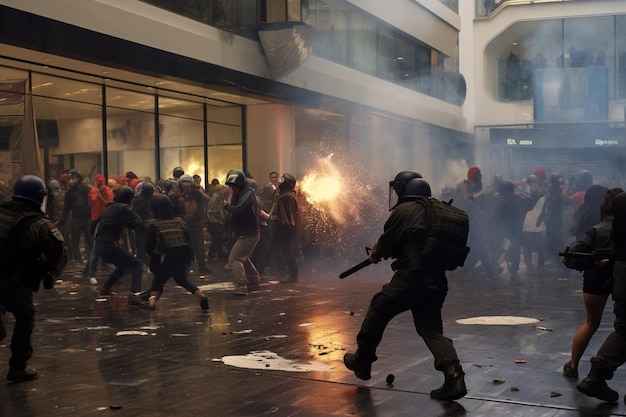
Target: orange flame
[325, 189]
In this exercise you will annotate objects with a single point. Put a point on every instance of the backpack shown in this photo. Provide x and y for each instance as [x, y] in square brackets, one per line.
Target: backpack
[446, 243]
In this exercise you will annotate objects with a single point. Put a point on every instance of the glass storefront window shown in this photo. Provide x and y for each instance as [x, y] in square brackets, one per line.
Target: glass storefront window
[224, 145]
[130, 131]
[69, 125]
[181, 138]
[70, 128]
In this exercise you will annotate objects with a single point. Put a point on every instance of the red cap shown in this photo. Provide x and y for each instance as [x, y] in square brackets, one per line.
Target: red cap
[133, 183]
[101, 178]
[471, 174]
[540, 173]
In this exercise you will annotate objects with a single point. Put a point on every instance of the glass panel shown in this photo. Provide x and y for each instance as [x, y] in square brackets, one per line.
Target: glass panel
[130, 133]
[588, 41]
[331, 40]
[225, 141]
[180, 108]
[620, 47]
[364, 44]
[66, 89]
[294, 11]
[70, 136]
[182, 143]
[451, 4]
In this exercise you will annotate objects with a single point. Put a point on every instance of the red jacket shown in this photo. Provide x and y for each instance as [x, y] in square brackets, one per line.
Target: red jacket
[99, 197]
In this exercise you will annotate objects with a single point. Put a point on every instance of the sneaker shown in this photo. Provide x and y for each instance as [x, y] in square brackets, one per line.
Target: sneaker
[361, 370]
[93, 281]
[568, 371]
[20, 375]
[204, 304]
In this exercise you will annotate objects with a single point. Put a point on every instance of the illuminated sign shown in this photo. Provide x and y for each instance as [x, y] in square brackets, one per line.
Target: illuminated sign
[606, 142]
[522, 142]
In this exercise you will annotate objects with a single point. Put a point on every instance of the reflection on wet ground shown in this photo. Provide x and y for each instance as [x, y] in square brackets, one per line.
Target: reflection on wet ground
[279, 351]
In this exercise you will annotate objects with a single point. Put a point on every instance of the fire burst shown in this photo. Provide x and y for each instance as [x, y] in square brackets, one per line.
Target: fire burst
[340, 209]
[325, 189]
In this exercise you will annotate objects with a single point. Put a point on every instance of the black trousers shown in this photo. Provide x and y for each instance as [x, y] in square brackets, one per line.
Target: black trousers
[18, 300]
[408, 291]
[612, 353]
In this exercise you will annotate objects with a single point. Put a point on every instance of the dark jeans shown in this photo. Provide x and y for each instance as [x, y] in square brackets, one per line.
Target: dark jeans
[81, 227]
[19, 301]
[408, 292]
[612, 353]
[174, 266]
[196, 233]
[124, 262]
[285, 243]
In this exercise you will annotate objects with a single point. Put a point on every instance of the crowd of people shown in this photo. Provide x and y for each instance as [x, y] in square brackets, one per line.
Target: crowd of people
[134, 225]
[527, 221]
[111, 221]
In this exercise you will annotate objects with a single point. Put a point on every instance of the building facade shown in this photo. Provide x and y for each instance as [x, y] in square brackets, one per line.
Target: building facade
[547, 86]
[144, 86]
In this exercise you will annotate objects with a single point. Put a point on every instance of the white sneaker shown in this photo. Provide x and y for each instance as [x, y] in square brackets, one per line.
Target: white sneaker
[93, 281]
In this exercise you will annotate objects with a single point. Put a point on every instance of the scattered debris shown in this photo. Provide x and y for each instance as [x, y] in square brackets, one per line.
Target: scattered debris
[514, 388]
[390, 378]
[498, 381]
[520, 361]
[555, 394]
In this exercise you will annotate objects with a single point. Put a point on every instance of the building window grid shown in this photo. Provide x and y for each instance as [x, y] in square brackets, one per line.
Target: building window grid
[56, 163]
[335, 43]
[615, 60]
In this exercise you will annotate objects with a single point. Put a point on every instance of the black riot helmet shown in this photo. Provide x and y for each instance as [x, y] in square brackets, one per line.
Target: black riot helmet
[236, 177]
[398, 186]
[74, 177]
[414, 189]
[31, 188]
[124, 194]
[161, 207]
[287, 182]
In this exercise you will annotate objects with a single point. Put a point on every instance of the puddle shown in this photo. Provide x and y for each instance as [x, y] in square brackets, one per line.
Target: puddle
[498, 320]
[267, 360]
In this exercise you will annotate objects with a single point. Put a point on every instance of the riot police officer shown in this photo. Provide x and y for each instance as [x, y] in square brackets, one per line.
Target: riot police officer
[33, 250]
[422, 290]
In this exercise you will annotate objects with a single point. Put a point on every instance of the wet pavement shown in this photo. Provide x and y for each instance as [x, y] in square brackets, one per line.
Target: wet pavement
[279, 351]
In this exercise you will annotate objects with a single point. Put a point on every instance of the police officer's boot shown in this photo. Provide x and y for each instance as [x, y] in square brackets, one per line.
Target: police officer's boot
[594, 385]
[453, 387]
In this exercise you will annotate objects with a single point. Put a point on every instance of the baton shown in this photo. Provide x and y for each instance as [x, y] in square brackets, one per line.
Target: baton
[355, 268]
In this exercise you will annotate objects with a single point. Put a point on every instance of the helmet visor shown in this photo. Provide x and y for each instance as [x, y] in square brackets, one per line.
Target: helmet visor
[393, 196]
[44, 204]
